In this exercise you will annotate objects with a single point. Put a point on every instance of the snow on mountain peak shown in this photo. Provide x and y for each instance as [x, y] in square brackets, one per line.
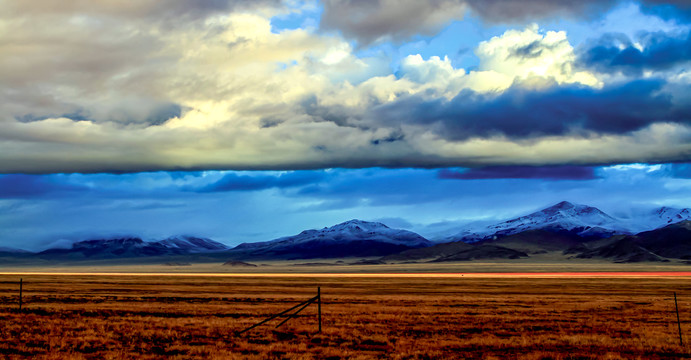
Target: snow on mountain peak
[661, 217]
[566, 209]
[357, 225]
[565, 216]
[352, 230]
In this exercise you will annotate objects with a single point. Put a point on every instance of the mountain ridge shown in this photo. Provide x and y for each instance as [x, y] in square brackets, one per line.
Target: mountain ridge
[350, 238]
[579, 230]
[582, 220]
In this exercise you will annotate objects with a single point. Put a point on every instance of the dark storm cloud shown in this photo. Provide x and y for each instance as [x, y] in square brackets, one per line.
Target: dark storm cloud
[370, 20]
[519, 113]
[531, 10]
[522, 172]
[614, 53]
[151, 10]
[337, 114]
[28, 186]
[235, 182]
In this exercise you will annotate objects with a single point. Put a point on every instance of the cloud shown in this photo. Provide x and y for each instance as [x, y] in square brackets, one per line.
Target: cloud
[528, 53]
[657, 51]
[522, 172]
[371, 21]
[96, 89]
[523, 113]
[395, 222]
[128, 62]
[181, 11]
[531, 10]
[235, 182]
[30, 186]
[681, 170]
[668, 9]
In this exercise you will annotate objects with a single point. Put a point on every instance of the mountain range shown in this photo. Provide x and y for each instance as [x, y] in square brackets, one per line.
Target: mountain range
[573, 230]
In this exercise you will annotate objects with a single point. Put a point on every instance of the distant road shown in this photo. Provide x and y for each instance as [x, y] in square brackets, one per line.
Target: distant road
[604, 274]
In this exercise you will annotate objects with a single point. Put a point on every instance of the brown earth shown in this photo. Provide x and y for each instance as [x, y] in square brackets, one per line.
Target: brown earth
[423, 317]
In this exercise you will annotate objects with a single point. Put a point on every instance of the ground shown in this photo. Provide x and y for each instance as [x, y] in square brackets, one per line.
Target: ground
[417, 317]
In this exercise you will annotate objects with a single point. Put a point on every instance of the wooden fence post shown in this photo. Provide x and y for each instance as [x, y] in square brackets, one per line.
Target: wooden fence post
[678, 321]
[319, 307]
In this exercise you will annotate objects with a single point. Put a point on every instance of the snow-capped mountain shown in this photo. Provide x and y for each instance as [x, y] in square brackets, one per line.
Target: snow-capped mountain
[585, 221]
[645, 220]
[134, 247]
[668, 216]
[351, 238]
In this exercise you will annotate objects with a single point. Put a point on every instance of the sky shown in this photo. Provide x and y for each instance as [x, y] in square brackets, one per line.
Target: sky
[249, 120]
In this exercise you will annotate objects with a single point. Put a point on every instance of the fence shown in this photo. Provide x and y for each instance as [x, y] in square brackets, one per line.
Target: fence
[301, 306]
[304, 304]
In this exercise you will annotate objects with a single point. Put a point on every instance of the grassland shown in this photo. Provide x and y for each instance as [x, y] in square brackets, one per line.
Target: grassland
[151, 317]
[548, 262]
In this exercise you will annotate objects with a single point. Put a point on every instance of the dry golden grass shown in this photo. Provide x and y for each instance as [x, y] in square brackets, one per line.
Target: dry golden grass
[151, 317]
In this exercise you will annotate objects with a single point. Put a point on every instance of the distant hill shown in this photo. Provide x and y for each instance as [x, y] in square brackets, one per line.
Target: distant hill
[456, 251]
[669, 242]
[621, 250]
[672, 241]
[537, 241]
[430, 253]
[352, 238]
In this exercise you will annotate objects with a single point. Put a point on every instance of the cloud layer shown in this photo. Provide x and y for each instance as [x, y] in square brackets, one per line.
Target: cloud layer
[132, 86]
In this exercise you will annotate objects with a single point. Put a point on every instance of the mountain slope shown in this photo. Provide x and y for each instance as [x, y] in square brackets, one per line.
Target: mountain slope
[431, 252]
[351, 238]
[672, 241]
[621, 250]
[456, 251]
[565, 217]
[483, 252]
[537, 241]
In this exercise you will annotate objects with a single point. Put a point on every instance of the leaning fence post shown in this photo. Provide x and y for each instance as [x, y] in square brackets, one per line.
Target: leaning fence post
[319, 307]
[20, 294]
[678, 321]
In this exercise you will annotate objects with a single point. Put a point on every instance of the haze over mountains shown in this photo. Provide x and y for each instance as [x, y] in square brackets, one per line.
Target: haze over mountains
[572, 230]
[133, 247]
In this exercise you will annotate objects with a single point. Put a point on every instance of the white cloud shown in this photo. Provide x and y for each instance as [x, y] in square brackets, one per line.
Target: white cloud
[529, 53]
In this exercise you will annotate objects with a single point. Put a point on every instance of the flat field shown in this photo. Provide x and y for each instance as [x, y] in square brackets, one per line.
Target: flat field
[425, 317]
